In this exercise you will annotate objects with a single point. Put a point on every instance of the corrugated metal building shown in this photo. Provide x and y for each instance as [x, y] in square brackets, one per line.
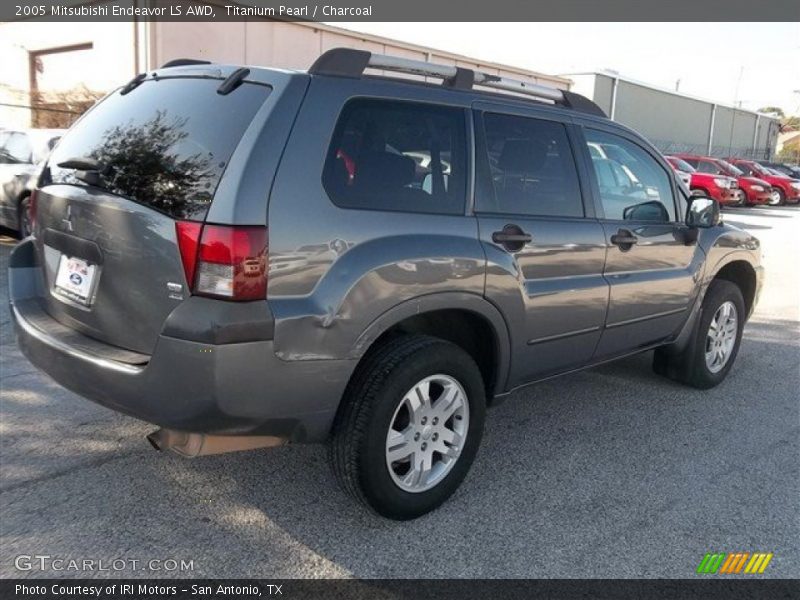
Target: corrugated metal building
[676, 122]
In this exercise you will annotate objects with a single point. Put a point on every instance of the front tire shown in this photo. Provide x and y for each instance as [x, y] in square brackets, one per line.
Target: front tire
[409, 427]
[710, 354]
[777, 197]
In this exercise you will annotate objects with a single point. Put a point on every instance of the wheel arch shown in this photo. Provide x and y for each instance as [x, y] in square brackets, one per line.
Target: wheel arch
[462, 318]
[742, 274]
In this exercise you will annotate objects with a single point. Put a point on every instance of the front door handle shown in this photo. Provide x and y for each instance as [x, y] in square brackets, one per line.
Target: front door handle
[624, 238]
[511, 237]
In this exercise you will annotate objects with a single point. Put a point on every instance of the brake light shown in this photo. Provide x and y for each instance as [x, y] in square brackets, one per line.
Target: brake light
[188, 243]
[224, 261]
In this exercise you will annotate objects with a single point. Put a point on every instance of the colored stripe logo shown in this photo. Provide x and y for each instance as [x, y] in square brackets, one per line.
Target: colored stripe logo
[732, 563]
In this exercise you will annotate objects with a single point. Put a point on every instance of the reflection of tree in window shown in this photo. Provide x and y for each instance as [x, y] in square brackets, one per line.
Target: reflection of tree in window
[148, 163]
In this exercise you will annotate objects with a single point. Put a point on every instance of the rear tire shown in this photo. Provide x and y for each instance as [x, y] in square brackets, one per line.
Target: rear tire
[24, 217]
[711, 352]
[376, 410]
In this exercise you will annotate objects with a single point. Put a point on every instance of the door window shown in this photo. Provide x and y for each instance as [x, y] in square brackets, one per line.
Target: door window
[531, 169]
[633, 186]
[706, 166]
[398, 156]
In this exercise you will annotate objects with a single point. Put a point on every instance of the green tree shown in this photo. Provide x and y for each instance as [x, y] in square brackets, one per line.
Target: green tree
[791, 122]
[773, 109]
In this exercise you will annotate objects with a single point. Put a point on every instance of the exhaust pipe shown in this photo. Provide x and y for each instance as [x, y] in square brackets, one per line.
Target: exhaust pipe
[190, 445]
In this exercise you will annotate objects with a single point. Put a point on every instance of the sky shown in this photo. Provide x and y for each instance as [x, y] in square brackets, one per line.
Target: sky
[755, 64]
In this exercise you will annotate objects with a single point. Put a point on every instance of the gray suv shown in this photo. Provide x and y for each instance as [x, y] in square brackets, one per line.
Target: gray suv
[247, 257]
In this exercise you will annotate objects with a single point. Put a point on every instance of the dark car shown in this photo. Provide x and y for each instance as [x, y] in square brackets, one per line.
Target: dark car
[20, 153]
[792, 171]
[247, 257]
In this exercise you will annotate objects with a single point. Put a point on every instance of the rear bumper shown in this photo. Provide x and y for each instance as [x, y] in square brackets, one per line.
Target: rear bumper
[234, 388]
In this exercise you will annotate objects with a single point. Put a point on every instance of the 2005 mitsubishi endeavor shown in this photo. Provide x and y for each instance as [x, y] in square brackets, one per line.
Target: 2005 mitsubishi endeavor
[247, 257]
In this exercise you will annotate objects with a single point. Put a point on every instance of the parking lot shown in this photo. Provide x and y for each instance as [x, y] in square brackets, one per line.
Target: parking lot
[613, 472]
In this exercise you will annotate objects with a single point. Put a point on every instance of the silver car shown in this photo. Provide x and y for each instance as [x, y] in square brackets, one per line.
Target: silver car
[21, 151]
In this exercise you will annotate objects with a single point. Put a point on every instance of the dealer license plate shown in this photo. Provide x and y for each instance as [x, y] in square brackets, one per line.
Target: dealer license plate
[75, 279]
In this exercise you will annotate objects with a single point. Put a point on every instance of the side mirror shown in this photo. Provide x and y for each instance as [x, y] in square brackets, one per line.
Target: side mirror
[703, 212]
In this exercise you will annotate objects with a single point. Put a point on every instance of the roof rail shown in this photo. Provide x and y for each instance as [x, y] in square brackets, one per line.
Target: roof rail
[348, 62]
[182, 62]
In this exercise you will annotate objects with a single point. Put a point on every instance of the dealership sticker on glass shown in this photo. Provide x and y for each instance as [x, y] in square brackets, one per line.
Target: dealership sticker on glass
[75, 278]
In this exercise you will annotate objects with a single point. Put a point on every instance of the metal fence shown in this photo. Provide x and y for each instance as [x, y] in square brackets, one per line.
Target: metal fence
[45, 116]
[720, 151]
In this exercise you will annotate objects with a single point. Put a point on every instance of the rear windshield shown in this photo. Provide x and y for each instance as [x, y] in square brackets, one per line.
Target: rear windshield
[165, 144]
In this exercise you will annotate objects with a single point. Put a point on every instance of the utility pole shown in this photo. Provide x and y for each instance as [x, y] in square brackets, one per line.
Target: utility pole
[733, 116]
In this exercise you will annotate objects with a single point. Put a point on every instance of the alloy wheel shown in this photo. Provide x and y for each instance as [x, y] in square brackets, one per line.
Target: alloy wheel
[721, 337]
[427, 433]
[774, 198]
[25, 219]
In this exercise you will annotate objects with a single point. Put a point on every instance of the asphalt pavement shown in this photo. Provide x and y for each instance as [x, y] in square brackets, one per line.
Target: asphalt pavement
[612, 472]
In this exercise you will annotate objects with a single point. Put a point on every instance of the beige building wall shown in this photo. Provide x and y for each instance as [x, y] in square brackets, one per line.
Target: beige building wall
[106, 55]
[297, 45]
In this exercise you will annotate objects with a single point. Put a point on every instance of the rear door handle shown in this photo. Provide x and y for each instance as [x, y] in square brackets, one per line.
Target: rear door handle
[624, 238]
[512, 238]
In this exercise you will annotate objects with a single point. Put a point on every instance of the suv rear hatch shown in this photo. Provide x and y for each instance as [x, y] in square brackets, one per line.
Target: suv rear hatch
[147, 157]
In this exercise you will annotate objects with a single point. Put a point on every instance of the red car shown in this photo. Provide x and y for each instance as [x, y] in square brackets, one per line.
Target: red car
[722, 188]
[756, 190]
[785, 189]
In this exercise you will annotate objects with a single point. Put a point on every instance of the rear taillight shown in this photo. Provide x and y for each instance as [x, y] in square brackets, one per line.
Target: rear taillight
[188, 243]
[224, 261]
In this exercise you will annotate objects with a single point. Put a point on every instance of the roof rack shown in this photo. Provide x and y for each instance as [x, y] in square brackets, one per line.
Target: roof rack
[348, 62]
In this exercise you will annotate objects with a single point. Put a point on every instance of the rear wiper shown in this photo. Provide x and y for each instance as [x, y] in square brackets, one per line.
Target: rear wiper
[132, 84]
[87, 169]
[233, 81]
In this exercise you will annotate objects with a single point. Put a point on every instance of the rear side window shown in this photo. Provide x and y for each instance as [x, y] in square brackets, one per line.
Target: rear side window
[398, 156]
[531, 167]
[166, 143]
